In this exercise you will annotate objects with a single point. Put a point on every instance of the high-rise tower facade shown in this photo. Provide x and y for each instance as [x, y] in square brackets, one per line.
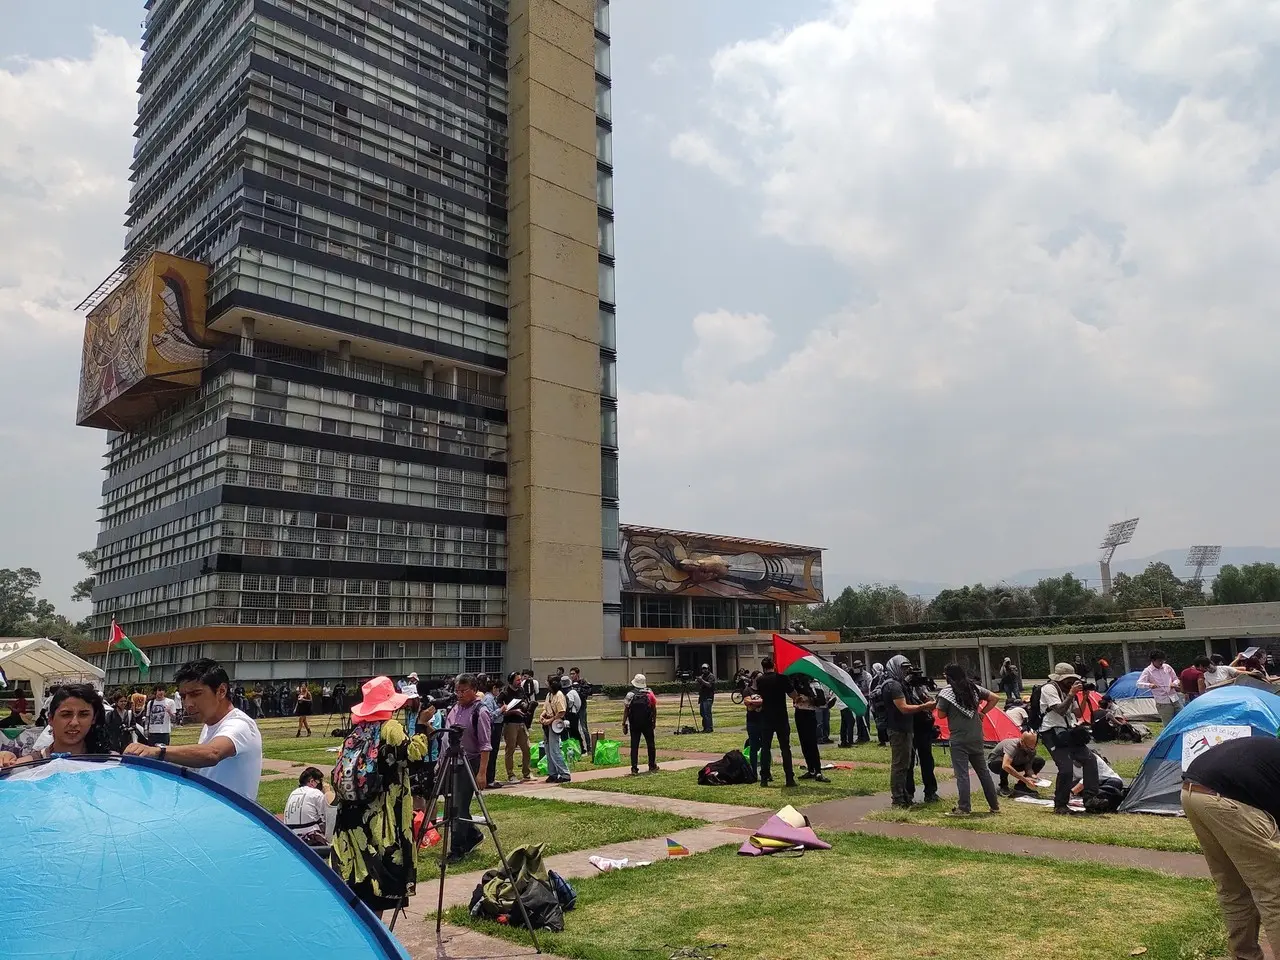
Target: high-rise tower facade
[358, 371]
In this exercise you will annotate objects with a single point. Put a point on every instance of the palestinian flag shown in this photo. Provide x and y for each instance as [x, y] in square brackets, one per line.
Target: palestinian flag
[792, 658]
[119, 641]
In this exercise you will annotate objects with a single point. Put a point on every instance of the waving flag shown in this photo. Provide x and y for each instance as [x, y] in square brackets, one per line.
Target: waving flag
[791, 658]
[119, 641]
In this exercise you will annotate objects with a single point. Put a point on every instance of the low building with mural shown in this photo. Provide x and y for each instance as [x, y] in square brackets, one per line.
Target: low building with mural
[695, 598]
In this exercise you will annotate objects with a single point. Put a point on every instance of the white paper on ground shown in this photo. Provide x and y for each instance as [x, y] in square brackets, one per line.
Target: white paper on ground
[1044, 783]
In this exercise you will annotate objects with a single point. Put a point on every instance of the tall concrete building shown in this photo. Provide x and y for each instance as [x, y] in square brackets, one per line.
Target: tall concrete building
[357, 367]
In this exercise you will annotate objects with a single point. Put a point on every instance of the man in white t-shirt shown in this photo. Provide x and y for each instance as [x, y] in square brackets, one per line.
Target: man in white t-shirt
[160, 713]
[230, 748]
[305, 810]
[177, 707]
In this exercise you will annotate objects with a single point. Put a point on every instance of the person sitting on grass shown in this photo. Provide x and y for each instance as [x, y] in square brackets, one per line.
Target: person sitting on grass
[965, 705]
[1017, 758]
[78, 720]
[1111, 789]
[305, 810]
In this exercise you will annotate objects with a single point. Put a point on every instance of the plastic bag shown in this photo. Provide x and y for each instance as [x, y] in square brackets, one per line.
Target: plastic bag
[608, 753]
[571, 752]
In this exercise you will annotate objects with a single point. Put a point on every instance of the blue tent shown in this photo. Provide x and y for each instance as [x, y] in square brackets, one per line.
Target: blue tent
[117, 859]
[1126, 687]
[1158, 784]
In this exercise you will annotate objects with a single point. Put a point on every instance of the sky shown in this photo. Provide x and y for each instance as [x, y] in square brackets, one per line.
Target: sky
[943, 288]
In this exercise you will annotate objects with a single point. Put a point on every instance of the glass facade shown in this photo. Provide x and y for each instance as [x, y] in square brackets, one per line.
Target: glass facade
[342, 170]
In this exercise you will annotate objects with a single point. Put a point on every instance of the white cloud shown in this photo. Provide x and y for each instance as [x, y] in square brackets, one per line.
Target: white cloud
[725, 341]
[1062, 224]
[663, 65]
[696, 149]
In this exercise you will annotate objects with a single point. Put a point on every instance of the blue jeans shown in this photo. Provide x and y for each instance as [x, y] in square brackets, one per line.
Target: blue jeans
[824, 724]
[556, 767]
[704, 708]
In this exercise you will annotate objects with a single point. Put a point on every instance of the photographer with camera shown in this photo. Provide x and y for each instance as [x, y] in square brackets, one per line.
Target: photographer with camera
[1065, 736]
[901, 698]
[706, 696]
[469, 714]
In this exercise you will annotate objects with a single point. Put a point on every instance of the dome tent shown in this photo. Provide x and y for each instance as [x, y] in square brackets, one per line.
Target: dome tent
[1134, 702]
[130, 856]
[1126, 687]
[996, 726]
[1159, 783]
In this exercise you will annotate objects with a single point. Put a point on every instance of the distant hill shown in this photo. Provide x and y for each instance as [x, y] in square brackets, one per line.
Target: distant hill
[1131, 565]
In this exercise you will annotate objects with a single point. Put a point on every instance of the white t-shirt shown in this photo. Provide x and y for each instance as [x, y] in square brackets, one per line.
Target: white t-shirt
[159, 713]
[1219, 674]
[242, 772]
[1050, 696]
[1104, 770]
[304, 808]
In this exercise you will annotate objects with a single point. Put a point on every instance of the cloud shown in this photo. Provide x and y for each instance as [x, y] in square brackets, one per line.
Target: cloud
[663, 65]
[65, 143]
[1061, 223]
[696, 149]
[725, 341]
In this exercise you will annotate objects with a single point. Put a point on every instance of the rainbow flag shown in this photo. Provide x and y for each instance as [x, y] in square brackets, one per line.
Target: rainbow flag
[676, 849]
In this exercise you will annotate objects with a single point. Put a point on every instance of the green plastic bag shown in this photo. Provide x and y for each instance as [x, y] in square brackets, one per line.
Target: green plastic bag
[535, 755]
[571, 752]
[607, 753]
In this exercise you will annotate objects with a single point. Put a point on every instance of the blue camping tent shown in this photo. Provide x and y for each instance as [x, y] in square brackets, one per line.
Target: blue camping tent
[1126, 687]
[131, 858]
[1158, 784]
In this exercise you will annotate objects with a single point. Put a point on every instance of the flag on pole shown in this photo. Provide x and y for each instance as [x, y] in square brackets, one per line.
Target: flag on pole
[119, 641]
[792, 658]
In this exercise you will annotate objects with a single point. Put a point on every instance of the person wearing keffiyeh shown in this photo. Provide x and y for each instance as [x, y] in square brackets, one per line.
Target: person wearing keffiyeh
[965, 704]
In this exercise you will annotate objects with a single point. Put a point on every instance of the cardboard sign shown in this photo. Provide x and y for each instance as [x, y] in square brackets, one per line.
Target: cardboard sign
[1201, 739]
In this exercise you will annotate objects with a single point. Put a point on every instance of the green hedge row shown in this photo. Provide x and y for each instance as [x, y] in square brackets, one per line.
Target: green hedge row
[1135, 626]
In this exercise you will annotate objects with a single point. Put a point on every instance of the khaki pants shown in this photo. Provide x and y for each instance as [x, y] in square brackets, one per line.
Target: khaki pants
[516, 735]
[1242, 846]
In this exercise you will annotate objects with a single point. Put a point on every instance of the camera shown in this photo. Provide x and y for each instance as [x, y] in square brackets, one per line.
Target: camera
[1088, 685]
[684, 676]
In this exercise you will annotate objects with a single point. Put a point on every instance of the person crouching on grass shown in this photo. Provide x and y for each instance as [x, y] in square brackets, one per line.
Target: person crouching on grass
[78, 720]
[965, 704]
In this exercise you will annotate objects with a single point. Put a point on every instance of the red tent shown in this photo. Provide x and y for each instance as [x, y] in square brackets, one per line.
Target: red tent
[996, 726]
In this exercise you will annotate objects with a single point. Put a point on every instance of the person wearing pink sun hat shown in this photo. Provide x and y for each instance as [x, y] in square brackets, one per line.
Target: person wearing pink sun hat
[373, 836]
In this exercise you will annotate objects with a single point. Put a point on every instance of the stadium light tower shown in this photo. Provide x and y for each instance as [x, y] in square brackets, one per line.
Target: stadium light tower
[1117, 535]
[1203, 556]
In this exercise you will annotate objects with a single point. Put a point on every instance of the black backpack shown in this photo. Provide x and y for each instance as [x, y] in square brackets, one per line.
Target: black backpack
[640, 711]
[1035, 715]
[730, 769]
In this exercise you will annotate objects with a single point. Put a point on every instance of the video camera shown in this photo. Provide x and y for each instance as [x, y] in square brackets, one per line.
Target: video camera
[684, 676]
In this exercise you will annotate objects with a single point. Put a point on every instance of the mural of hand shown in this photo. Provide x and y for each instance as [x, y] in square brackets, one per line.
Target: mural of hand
[655, 563]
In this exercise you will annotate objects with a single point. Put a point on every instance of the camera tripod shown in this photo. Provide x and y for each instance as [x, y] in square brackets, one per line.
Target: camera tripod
[695, 716]
[449, 767]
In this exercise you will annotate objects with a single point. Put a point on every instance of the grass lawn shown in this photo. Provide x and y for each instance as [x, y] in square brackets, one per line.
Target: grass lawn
[683, 785]
[563, 827]
[1023, 819]
[909, 899]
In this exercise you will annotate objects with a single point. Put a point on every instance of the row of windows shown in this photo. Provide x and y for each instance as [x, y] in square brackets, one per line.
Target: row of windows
[698, 613]
[355, 524]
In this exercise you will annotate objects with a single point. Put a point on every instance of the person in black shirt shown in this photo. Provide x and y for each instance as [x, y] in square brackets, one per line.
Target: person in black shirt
[706, 696]
[1231, 796]
[775, 696]
[901, 722]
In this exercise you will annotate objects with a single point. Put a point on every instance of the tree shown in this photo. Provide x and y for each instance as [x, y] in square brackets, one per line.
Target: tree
[84, 589]
[18, 603]
[1157, 586]
[865, 606]
[979, 602]
[1064, 596]
[1251, 583]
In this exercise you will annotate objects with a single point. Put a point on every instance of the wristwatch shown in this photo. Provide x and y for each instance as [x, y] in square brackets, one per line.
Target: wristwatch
[163, 750]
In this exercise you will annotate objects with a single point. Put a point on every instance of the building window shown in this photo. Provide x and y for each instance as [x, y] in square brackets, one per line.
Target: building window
[712, 614]
[608, 330]
[651, 649]
[605, 232]
[604, 145]
[604, 101]
[609, 530]
[662, 612]
[608, 378]
[607, 292]
[602, 57]
[609, 477]
[608, 427]
[604, 189]
[628, 611]
[602, 16]
[762, 616]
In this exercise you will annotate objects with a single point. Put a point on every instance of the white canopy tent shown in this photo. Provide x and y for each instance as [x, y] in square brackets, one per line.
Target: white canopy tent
[43, 663]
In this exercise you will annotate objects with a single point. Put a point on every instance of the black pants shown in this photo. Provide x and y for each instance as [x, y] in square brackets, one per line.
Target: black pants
[846, 727]
[782, 728]
[1065, 757]
[636, 734]
[495, 738]
[996, 766]
[924, 755]
[807, 732]
[465, 834]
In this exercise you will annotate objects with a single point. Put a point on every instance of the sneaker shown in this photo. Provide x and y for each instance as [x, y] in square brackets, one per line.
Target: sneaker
[527, 778]
[957, 812]
[819, 778]
[996, 808]
[765, 781]
[1005, 792]
[635, 771]
[654, 768]
[1063, 811]
[808, 775]
[790, 783]
[933, 798]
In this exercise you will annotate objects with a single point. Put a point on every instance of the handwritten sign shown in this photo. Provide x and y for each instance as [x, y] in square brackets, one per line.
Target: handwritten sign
[1202, 739]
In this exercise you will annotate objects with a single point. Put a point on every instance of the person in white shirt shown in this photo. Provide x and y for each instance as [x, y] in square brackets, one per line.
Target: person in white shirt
[230, 749]
[177, 708]
[1218, 672]
[1061, 708]
[306, 809]
[1163, 683]
[160, 713]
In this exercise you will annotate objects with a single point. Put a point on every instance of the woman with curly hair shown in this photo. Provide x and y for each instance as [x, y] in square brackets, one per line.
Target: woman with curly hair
[373, 836]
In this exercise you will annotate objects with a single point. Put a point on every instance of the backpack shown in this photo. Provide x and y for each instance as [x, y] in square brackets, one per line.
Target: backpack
[1035, 715]
[732, 768]
[564, 893]
[356, 777]
[641, 711]
[494, 897]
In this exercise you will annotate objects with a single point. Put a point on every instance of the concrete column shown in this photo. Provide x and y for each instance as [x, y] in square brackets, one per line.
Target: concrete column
[1052, 660]
[1208, 647]
[1124, 650]
[923, 669]
[246, 336]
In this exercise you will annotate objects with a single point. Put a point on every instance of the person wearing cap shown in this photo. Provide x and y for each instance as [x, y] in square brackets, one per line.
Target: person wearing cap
[373, 835]
[469, 714]
[640, 718]
[1066, 740]
[409, 687]
[706, 696]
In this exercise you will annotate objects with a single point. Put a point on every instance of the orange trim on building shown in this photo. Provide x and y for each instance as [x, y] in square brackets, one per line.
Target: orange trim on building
[247, 634]
[673, 634]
